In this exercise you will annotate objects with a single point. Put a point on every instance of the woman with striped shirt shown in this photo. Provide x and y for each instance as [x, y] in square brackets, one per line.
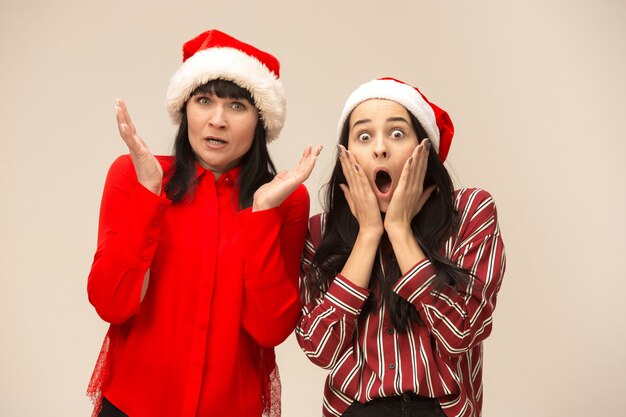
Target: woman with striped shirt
[400, 274]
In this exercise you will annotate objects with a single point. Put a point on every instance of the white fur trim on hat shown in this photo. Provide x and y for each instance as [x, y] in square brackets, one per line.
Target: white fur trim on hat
[399, 92]
[232, 65]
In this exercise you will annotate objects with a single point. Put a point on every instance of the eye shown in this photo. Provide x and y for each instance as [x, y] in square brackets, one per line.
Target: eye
[238, 105]
[203, 100]
[397, 134]
[363, 137]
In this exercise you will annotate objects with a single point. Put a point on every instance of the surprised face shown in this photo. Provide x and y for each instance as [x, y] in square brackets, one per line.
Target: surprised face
[382, 139]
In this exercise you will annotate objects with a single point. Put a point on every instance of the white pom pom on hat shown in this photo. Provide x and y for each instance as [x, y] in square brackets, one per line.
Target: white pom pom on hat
[216, 55]
[435, 121]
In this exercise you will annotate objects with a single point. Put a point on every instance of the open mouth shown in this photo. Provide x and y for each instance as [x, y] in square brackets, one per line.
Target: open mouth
[215, 141]
[383, 181]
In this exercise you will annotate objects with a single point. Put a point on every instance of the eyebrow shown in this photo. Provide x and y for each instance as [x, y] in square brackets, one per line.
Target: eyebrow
[359, 122]
[391, 119]
[397, 119]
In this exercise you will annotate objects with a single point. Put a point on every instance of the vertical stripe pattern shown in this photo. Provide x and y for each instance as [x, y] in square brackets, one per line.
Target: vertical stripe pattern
[442, 358]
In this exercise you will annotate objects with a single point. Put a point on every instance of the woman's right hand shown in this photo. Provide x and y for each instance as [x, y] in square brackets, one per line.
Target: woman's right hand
[148, 169]
[359, 194]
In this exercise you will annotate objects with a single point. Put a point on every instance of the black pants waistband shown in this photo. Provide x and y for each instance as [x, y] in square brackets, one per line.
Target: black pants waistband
[407, 397]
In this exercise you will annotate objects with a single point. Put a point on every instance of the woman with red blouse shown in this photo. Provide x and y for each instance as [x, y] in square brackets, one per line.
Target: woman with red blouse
[401, 273]
[198, 253]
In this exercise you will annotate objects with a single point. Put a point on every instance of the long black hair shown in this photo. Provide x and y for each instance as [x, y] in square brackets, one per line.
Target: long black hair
[257, 167]
[432, 227]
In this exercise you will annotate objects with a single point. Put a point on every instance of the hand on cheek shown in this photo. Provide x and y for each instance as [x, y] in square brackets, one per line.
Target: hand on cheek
[359, 195]
[409, 196]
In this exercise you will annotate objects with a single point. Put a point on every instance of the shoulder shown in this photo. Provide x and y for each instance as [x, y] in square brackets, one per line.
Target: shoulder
[296, 205]
[472, 199]
[316, 228]
[166, 161]
[477, 212]
[122, 170]
[298, 196]
[297, 200]
[124, 163]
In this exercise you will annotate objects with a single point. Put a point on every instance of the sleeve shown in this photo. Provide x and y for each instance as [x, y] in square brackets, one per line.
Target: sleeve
[128, 232]
[327, 324]
[459, 320]
[273, 243]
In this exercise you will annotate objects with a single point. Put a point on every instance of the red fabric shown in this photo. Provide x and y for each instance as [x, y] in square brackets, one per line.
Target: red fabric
[222, 293]
[443, 120]
[368, 358]
[217, 39]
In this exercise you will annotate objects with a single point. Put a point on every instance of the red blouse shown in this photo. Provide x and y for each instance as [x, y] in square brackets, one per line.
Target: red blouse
[222, 293]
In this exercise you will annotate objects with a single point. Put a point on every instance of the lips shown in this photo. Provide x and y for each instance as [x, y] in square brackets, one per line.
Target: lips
[214, 140]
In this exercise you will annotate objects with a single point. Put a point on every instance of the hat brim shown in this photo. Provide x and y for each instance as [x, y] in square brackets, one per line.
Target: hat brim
[232, 65]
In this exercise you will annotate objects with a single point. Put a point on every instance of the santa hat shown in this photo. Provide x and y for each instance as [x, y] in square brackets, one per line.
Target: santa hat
[435, 121]
[215, 55]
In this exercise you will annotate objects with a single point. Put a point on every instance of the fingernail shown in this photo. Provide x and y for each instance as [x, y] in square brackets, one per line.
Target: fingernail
[411, 160]
[356, 167]
[348, 153]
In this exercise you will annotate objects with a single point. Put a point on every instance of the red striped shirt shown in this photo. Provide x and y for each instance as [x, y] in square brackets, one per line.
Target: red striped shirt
[441, 358]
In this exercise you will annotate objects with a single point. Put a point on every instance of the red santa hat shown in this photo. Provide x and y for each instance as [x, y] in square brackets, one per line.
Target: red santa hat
[435, 121]
[215, 55]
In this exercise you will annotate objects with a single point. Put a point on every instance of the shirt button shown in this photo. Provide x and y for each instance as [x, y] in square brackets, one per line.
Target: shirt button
[144, 258]
[155, 223]
[406, 397]
[389, 330]
[392, 366]
[161, 208]
[150, 241]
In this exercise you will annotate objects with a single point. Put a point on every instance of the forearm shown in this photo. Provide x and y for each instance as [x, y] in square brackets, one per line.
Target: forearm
[130, 224]
[271, 312]
[405, 247]
[272, 249]
[358, 267]
[327, 325]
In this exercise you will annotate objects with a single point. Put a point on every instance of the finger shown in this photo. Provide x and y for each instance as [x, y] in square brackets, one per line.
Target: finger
[358, 175]
[302, 172]
[413, 163]
[422, 162]
[305, 154]
[126, 116]
[345, 166]
[406, 175]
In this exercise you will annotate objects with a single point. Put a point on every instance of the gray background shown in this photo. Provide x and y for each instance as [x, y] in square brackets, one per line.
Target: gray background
[536, 90]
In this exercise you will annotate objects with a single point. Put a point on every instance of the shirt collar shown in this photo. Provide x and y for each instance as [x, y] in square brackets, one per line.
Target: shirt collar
[229, 177]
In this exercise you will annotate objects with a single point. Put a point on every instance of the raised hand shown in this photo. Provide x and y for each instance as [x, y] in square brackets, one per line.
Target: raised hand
[148, 169]
[409, 196]
[273, 193]
[359, 194]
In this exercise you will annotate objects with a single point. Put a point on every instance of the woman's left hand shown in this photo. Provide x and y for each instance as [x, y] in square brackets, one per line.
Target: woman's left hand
[409, 196]
[273, 193]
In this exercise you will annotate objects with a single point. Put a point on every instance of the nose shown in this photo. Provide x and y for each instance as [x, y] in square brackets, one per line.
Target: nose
[217, 119]
[380, 149]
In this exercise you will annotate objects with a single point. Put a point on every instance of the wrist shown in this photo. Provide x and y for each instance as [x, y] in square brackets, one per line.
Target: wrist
[153, 188]
[370, 234]
[398, 230]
